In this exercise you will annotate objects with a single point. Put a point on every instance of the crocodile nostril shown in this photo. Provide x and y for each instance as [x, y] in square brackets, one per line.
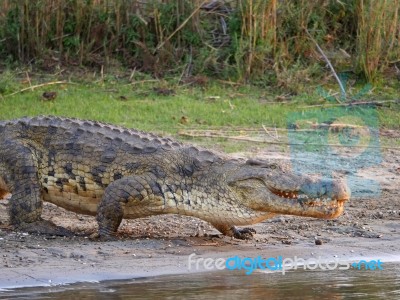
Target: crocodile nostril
[341, 191]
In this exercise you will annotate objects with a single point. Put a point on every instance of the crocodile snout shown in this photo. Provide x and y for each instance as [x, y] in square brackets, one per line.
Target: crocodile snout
[326, 189]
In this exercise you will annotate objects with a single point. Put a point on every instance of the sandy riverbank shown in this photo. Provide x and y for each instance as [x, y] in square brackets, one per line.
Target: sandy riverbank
[369, 228]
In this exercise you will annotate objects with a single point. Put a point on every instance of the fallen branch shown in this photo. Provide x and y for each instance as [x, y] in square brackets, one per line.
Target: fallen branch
[329, 64]
[35, 87]
[143, 81]
[235, 129]
[230, 82]
[248, 139]
[353, 103]
[180, 26]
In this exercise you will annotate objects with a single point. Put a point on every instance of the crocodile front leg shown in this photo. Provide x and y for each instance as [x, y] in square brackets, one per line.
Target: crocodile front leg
[239, 233]
[138, 192]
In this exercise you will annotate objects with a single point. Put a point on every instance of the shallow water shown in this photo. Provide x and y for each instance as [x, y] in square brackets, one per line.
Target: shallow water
[300, 284]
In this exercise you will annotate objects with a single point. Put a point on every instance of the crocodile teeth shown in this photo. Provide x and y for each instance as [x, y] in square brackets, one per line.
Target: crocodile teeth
[284, 194]
[316, 202]
[325, 202]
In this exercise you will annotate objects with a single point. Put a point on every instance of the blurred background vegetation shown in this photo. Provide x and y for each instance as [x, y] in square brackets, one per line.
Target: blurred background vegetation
[264, 42]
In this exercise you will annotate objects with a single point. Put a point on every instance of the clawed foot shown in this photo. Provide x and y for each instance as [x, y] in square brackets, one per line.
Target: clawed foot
[243, 233]
[102, 237]
[44, 227]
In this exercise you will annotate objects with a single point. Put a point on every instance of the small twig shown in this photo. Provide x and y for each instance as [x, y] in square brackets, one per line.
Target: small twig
[332, 95]
[36, 86]
[29, 80]
[180, 26]
[183, 73]
[330, 66]
[132, 73]
[59, 72]
[61, 37]
[269, 134]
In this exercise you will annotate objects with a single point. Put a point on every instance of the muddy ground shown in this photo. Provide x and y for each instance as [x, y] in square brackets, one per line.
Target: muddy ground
[159, 245]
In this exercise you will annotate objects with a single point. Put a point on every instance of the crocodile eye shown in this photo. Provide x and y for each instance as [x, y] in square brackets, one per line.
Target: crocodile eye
[262, 164]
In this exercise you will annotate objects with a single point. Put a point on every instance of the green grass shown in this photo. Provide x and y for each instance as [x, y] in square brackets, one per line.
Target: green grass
[215, 106]
[146, 110]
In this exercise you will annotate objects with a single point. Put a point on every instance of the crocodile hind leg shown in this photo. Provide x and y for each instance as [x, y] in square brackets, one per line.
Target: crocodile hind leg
[19, 177]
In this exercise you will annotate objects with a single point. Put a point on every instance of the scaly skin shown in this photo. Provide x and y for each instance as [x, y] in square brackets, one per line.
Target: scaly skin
[114, 173]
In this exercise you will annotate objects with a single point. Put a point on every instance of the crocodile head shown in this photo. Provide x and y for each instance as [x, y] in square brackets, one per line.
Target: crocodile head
[268, 187]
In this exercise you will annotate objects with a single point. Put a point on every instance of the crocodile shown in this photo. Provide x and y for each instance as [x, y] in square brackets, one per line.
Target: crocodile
[111, 172]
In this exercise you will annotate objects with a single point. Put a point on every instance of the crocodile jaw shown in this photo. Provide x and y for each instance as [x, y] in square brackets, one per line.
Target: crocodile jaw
[324, 207]
[318, 199]
[306, 201]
